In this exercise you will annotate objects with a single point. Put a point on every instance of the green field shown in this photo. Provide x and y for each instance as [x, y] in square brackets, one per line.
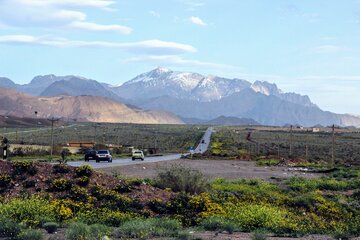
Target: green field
[168, 138]
[315, 147]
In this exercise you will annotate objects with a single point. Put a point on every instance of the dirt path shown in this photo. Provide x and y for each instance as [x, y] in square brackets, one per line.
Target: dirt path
[228, 169]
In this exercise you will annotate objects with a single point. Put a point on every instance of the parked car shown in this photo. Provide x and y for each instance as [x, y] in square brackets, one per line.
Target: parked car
[138, 154]
[90, 155]
[103, 155]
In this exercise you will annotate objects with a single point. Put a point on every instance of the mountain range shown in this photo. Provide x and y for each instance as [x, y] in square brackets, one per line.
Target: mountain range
[194, 96]
[80, 108]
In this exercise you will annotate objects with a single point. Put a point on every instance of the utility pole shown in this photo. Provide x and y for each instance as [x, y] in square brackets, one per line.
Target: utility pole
[291, 136]
[95, 132]
[53, 120]
[333, 145]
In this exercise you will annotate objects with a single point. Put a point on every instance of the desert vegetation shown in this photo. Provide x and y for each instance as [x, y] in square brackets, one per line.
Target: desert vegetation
[302, 145]
[39, 199]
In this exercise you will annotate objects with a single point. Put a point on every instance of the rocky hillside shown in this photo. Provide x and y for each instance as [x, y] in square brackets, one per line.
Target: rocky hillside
[81, 108]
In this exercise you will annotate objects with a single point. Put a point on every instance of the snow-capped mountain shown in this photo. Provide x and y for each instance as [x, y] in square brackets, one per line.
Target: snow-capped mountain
[184, 85]
[269, 89]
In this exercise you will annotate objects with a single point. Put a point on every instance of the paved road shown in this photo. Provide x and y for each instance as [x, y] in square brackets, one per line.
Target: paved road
[201, 148]
[125, 161]
[205, 141]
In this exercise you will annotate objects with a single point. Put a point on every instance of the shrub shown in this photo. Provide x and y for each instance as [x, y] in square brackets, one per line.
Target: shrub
[31, 234]
[5, 180]
[98, 231]
[104, 216]
[259, 234]
[50, 227]
[254, 216]
[83, 181]
[21, 167]
[60, 184]
[78, 231]
[79, 194]
[181, 179]
[9, 228]
[267, 162]
[148, 228]
[60, 168]
[29, 183]
[84, 170]
[218, 224]
[31, 212]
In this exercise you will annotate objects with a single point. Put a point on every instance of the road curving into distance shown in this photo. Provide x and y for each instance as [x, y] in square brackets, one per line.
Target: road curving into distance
[201, 148]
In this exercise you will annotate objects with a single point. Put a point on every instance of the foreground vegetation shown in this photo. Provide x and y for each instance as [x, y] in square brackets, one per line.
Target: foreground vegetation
[90, 205]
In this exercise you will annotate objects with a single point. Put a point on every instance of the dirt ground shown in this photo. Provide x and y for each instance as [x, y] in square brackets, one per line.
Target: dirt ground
[60, 235]
[228, 169]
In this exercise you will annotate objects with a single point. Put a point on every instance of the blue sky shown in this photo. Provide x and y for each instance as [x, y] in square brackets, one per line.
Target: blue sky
[311, 47]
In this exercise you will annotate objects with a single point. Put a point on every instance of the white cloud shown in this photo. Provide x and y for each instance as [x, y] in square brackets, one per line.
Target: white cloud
[155, 14]
[143, 47]
[197, 21]
[55, 14]
[178, 61]
[329, 49]
[99, 27]
[67, 3]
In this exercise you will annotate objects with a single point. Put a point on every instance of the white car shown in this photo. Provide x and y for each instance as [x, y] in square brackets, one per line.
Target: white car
[103, 155]
[138, 154]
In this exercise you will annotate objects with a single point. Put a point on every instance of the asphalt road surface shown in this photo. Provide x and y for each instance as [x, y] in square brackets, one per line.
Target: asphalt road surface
[125, 161]
[201, 148]
[204, 142]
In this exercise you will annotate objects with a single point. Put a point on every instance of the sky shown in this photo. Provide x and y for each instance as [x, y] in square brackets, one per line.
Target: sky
[310, 47]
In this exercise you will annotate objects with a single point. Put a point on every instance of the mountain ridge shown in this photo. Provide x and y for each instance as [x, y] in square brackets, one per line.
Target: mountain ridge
[81, 108]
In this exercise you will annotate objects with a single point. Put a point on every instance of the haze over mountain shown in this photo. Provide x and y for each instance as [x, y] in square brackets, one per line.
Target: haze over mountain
[81, 108]
[195, 96]
[231, 121]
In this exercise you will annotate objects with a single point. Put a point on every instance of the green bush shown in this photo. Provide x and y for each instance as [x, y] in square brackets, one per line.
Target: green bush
[9, 228]
[60, 168]
[267, 162]
[83, 181]
[50, 227]
[84, 170]
[78, 231]
[5, 180]
[259, 234]
[25, 166]
[60, 184]
[148, 228]
[181, 179]
[31, 234]
[32, 212]
[104, 216]
[98, 231]
[218, 224]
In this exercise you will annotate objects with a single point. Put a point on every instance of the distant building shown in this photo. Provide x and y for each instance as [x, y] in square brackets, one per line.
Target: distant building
[79, 144]
[316, 130]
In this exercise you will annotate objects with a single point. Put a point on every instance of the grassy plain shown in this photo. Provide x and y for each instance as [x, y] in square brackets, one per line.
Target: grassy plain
[231, 142]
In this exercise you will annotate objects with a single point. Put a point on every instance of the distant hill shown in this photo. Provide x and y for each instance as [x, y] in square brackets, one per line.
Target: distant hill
[75, 86]
[81, 108]
[232, 121]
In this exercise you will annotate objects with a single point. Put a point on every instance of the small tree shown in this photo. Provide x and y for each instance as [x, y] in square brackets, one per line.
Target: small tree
[64, 153]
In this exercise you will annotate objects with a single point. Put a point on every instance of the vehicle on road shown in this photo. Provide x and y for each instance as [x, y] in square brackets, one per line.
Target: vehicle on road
[103, 155]
[203, 141]
[90, 155]
[138, 154]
